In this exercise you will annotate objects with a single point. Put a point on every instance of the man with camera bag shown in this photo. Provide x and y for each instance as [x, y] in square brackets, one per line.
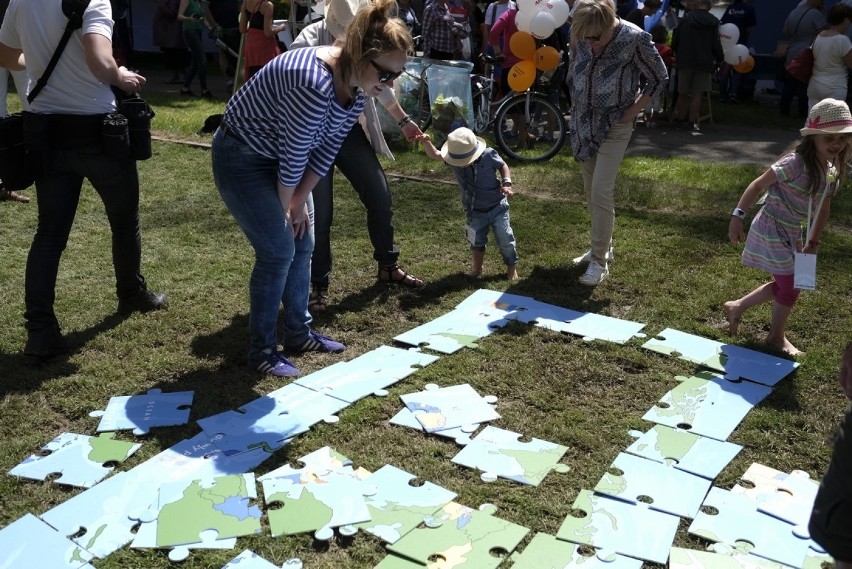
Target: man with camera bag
[65, 129]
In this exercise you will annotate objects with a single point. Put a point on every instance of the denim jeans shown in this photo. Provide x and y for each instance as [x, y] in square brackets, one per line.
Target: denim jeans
[58, 190]
[599, 173]
[357, 161]
[497, 218]
[197, 61]
[247, 183]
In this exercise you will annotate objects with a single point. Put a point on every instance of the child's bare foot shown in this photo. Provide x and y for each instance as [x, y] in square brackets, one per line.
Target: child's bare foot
[733, 312]
[511, 273]
[784, 345]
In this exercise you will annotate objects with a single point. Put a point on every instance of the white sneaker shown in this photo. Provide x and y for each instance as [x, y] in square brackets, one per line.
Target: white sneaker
[594, 274]
[587, 256]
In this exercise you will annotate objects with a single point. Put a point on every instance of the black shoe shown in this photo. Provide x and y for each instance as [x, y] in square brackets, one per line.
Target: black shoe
[143, 301]
[45, 343]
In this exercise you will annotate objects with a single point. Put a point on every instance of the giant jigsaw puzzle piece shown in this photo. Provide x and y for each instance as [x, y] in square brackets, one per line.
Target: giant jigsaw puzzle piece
[590, 326]
[461, 435]
[707, 404]
[251, 560]
[686, 451]
[498, 452]
[547, 552]
[367, 374]
[694, 559]
[141, 412]
[81, 460]
[269, 421]
[661, 487]
[730, 518]
[396, 506]
[224, 504]
[28, 543]
[631, 530]
[789, 497]
[734, 361]
[451, 332]
[461, 537]
[448, 407]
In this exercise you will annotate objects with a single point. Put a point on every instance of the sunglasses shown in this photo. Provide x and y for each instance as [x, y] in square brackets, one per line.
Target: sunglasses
[384, 74]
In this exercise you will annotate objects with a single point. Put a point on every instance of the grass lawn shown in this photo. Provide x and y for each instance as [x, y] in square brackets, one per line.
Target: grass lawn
[673, 268]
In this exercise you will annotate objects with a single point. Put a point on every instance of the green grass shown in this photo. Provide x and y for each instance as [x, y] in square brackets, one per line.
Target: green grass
[673, 268]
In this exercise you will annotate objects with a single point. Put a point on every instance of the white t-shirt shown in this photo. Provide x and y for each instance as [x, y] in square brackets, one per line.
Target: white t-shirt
[36, 26]
[829, 67]
[495, 10]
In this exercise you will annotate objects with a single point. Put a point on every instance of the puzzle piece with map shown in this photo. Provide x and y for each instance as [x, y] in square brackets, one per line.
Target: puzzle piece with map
[29, 543]
[544, 551]
[142, 412]
[686, 451]
[441, 408]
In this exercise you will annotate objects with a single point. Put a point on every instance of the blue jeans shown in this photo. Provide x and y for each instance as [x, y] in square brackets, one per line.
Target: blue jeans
[282, 264]
[496, 218]
[198, 60]
[58, 189]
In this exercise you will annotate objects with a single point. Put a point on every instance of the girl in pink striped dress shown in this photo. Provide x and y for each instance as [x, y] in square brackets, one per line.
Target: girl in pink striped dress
[804, 179]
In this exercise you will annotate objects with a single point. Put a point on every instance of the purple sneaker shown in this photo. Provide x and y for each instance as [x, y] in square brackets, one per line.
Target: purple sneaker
[316, 342]
[273, 363]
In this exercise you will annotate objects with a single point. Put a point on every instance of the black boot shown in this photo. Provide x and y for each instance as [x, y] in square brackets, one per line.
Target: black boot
[142, 301]
[45, 343]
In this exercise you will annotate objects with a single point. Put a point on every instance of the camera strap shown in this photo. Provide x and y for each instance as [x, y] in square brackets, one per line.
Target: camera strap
[73, 10]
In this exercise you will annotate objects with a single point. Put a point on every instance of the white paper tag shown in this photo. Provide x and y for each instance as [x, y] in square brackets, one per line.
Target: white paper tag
[804, 271]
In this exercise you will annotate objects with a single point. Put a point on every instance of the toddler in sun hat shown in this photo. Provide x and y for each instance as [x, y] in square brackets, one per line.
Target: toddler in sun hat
[486, 184]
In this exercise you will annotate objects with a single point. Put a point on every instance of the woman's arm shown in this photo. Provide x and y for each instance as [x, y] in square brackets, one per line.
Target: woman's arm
[269, 29]
[244, 20]
[182, 17]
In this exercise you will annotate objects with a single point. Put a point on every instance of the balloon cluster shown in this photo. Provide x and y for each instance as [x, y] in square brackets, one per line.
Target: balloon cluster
[522, 74]
[736, 54]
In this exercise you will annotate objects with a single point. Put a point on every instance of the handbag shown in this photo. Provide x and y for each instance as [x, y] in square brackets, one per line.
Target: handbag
[801, 67]
[20, 161]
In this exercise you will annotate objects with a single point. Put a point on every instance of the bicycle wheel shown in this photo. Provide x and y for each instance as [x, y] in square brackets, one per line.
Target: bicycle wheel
[529, 128]
[423, 117]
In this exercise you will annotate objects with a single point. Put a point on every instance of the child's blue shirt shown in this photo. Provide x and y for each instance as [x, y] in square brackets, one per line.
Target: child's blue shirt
[480, 187]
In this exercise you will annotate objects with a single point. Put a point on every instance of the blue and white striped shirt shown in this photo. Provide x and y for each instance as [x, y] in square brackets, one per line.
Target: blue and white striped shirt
[289, 112]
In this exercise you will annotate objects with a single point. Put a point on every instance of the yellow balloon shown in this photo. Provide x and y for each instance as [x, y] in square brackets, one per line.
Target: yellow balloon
[745, 66]
[522, 75]
[546, 58]
[522, 45]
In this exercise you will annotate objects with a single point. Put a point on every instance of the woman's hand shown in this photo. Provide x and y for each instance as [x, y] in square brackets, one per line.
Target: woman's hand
[735, 230]
[299, 220]
[411, 131]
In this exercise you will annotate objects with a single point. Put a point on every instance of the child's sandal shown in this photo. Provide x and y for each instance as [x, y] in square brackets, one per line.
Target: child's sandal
[318, 299]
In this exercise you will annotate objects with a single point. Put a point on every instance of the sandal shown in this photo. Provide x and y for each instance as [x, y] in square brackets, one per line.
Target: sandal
[387, 272]
[318, 299]
[12, 196]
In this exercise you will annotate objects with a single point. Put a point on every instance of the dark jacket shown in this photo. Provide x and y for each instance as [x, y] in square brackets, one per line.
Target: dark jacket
[696, 41]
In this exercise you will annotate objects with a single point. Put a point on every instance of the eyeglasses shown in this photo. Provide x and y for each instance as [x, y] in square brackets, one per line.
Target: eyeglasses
[384, 74]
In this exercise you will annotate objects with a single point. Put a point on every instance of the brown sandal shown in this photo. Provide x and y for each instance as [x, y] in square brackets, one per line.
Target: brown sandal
[387, 272]
[12, 196]
[318, 299]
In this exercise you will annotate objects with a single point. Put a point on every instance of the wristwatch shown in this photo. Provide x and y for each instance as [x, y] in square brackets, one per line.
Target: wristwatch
[741, 213]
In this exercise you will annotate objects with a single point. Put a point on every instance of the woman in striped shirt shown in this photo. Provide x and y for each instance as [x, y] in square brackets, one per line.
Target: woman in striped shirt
[279, 135]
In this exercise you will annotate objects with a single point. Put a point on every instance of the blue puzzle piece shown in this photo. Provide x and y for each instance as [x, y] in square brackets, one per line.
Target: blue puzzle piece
[271, 420]
[452, 331]
[251, 560]
[634, 479]
[686, 451]
[405, 418]
[28, 543]
[707, 404]
[595, 327]
[366, 374]
[81, 460]
[141, 412]
[448, 407]
[547, 552]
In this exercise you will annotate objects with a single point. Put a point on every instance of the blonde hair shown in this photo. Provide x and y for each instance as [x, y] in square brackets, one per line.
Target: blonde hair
[591, 18]
[374, 30]
[806, 148]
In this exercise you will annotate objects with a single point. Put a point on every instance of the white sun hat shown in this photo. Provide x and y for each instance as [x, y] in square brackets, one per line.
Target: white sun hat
[829, 116]
[462, 147]
[340, 13]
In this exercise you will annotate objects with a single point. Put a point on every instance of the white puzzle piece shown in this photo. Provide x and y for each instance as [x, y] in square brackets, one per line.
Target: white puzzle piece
[448, 407]
[686, 451]
[680, 558]
[789, 497]
[731, 518]
[29, 543]
[590, 326]
[635, 479]
[547, 552]
[366, 374]
[498, 452]
[396, 507]
[628, 529]
[250, 560]
[451, 332]
[82, 461]
[707, 404]
[142, 412]
[405, 418]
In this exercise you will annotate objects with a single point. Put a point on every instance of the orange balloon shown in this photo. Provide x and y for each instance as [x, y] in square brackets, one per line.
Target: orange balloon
[546, 58]
[522, 75]
[745, 66]
[522, 45]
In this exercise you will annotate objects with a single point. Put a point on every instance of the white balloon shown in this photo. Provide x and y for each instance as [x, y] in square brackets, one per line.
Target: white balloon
[559, 9]
[729, 34]
[542, 25]
[736, 55]
[523, 19]
[527, 6]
